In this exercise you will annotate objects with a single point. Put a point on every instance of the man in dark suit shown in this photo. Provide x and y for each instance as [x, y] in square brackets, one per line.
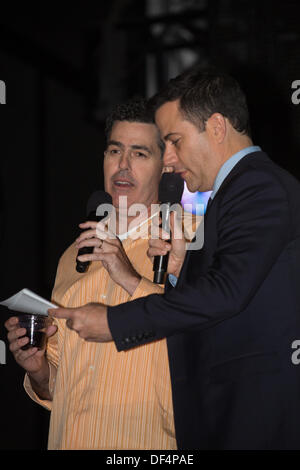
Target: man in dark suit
[231, 310]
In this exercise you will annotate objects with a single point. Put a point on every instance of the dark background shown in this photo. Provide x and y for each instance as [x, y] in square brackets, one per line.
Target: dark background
[63, 70]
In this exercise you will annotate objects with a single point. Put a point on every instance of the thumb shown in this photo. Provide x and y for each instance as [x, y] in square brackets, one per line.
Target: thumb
[176, 226]
[51, 330]
[61, 312]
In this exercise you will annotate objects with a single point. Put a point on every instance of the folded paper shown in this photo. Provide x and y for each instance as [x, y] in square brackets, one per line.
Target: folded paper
[27, 301]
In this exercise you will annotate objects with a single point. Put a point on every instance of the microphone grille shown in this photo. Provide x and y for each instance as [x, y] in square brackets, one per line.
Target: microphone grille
[171, 187]
[97, 198]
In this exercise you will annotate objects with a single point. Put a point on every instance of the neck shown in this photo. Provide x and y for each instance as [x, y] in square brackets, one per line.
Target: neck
[235, 145]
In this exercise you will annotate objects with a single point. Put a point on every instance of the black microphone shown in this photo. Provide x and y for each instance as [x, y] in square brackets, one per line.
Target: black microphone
[170, 192]
[95, 200]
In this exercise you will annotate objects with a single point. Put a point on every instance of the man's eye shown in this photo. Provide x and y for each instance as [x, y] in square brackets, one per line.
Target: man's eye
[139, 154]
[113, 152]
[175, 142]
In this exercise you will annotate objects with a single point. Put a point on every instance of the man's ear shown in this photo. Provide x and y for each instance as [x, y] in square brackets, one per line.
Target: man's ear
[216, 126]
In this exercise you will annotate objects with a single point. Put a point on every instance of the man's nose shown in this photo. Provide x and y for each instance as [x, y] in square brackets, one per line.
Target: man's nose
[170, 156]
[124, 161]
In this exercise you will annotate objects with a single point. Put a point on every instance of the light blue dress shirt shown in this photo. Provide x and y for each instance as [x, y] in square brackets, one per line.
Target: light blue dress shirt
[229, 165]
[223, 172]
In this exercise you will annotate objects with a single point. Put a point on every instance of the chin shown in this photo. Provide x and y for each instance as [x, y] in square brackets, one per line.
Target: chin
[191, 187]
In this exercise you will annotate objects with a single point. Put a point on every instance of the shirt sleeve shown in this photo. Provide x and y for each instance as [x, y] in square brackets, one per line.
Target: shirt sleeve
[172, 280]
[29, 390]
[146, 287]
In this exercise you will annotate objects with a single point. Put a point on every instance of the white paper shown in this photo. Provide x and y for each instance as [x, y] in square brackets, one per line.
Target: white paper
[27, 301]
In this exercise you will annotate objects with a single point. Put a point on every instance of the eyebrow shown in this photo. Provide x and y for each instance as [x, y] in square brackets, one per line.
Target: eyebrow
[116, 142]
[141, 147]
[167, 137]
[134, 146]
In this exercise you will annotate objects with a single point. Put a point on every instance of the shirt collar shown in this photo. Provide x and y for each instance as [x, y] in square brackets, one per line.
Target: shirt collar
[229, 165]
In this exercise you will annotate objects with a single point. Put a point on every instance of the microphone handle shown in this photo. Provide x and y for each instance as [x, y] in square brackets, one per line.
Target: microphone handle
[82, 266]
[160, 263]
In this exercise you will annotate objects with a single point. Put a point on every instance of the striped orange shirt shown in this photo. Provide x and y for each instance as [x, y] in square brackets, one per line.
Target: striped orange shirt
[104, 399]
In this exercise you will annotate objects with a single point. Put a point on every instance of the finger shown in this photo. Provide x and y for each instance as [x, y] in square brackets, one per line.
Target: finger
[11, 323]
[23, 355]
[109, 243]
[87, 224]
[96, 256]
[158, 252]
[110, 246]
[159, 244]
[15, 334]
[18, 344]
[90, 242]
[61, 312]
[51, 330]
[86, 235]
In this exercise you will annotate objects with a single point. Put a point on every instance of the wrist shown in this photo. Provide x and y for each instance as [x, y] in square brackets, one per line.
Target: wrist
[176, 273]
[40, 376]
[176, 270]
[132, 283]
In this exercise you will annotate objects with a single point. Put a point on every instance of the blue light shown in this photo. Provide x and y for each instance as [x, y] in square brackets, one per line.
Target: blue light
[195, 202]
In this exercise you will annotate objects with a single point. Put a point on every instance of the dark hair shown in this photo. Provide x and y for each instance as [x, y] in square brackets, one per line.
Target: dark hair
[203, 92]
[133, 110]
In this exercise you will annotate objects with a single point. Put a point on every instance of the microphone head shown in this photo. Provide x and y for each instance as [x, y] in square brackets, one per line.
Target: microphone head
[95, 199]
[171, 187]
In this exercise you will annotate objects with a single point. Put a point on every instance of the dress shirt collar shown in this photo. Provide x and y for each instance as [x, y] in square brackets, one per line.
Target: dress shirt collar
[230, 164]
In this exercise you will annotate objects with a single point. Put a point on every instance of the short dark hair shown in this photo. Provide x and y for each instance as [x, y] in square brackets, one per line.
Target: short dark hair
[133, 110]
[203, 92]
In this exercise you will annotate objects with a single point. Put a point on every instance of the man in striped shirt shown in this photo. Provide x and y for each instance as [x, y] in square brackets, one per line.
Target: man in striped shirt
[100, 398]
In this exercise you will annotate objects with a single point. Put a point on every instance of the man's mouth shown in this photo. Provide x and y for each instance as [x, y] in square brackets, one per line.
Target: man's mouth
[182, 173]
[125, 184]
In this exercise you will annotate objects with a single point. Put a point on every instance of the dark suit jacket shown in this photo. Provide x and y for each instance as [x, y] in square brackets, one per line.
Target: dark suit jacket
[232, 318]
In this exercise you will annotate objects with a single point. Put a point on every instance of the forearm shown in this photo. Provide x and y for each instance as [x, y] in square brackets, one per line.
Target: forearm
[131, 283]
[40, 381]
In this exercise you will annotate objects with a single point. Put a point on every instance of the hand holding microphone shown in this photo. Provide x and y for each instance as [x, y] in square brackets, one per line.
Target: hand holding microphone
[96, 199]
[168, 258]
[173, 249]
